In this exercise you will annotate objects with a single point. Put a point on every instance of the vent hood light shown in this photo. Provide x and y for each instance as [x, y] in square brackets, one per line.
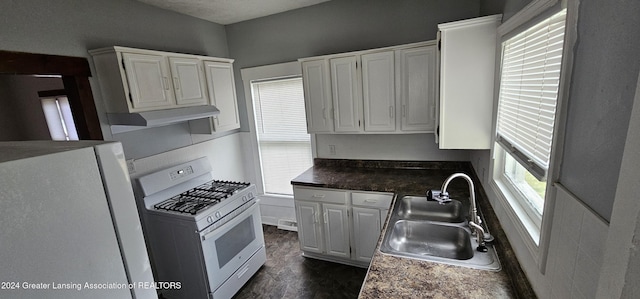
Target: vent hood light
[162, 117]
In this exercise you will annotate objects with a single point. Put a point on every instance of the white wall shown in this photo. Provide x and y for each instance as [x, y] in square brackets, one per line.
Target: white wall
[225, 155]
[406, 147]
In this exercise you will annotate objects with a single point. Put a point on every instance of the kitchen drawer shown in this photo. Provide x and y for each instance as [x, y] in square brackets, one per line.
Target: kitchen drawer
[319, 195]
[377, 200]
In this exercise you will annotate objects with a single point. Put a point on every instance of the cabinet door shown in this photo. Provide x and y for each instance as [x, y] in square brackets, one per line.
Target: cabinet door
[309, 226]
[366, 230]
[336, 229]
[418, 89]
[346, 94]
[378, 91]
[188, 81]
[222, 91]
[467, 66]
[317, 96]
[149, 82]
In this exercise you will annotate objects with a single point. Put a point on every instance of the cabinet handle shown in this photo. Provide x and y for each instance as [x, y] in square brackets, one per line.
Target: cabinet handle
[404, 110]
[390, 111]
[433, 112]
[326, 217]
[165, 83]
[318, 196]
[243, 271]
[176, 82]
[371, 200]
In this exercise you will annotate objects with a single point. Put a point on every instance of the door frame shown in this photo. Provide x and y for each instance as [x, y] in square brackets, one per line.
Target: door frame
[75, 73]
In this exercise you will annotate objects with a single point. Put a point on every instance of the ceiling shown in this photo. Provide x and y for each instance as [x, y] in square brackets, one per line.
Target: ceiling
[226, 12]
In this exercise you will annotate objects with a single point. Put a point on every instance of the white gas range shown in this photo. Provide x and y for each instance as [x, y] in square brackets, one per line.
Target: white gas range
[204, 233]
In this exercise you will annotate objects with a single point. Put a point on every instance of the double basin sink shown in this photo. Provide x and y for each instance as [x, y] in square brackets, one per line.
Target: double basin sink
[428, 230]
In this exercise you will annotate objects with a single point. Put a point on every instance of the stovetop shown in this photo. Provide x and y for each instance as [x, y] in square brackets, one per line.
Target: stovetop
[201, 197]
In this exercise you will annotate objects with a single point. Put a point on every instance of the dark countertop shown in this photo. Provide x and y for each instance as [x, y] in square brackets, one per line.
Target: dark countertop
[397, 277]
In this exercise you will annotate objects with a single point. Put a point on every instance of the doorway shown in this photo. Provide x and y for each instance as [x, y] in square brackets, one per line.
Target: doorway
[72, 74]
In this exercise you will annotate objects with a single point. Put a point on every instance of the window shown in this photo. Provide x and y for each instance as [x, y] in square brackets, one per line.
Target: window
[59, 119]
[283, 142]
[528, 94]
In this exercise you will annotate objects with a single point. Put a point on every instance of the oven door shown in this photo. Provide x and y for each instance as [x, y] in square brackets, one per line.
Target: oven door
[227, 247]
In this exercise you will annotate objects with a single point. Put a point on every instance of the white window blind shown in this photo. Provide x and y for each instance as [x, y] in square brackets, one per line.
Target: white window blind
[530, 77]
[283, 141]
[57, 113]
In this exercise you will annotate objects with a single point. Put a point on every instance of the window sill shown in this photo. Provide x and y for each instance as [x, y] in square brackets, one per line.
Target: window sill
[526, 228]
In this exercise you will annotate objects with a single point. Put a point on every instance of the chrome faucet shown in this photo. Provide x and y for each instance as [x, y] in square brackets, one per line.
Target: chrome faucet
[475, 221]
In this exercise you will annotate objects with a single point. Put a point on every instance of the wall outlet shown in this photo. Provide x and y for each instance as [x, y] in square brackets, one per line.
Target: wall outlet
[332, 149]
[131, 167]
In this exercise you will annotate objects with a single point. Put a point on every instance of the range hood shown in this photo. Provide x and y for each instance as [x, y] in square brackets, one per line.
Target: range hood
[162, 117]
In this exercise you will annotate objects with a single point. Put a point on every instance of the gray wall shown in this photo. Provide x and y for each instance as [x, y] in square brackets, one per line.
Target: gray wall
[337, 26]
[71, 27]
[20, 96]
[605, 73]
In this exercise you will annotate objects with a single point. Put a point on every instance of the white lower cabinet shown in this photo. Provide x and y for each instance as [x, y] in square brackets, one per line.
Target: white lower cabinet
[309, 229]
[336, 228]
[366, 231]
[340, 225]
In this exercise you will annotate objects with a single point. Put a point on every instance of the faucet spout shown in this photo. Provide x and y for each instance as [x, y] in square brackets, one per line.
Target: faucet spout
[475, 221]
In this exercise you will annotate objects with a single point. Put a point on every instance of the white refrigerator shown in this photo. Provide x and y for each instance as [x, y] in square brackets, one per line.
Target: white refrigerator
[69, 227]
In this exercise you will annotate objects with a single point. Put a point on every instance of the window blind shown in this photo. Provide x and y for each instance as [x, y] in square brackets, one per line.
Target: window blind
[529, 82]
[283, 141]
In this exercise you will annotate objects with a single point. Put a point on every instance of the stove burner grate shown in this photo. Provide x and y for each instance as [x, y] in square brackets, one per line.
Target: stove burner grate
[201, 197]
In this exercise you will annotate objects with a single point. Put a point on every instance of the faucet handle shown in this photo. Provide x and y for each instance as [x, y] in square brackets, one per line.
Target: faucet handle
[432, 194]
[439, 196]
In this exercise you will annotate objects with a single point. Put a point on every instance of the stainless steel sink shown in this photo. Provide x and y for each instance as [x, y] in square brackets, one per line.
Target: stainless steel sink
[418, 208]
[435, 232]
[425, 238]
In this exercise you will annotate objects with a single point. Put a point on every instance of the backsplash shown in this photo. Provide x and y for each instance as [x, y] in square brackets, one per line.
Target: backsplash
[576, 251]
[402, 147]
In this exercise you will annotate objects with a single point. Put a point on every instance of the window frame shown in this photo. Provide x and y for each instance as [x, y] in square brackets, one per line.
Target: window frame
[535, 236]
[254, 171]
[255, 86]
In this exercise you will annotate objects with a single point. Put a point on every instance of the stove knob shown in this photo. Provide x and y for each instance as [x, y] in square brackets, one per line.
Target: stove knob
[244, 198]
[251, 195]
[209, 219]
[217, 214]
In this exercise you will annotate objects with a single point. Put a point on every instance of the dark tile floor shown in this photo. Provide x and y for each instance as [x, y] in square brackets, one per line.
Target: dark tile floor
[287, 274]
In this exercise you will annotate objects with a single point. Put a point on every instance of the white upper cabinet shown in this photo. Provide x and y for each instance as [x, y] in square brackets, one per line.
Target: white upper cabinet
[417, 88]
[387, 90]
[222, 92]
[467, 64]
[346, 94]
[148, 81]
[378, 92]
[317, 96]
[137, 80]
[188, 81]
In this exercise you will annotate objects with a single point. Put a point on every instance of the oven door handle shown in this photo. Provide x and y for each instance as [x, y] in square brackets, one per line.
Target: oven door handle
[234, 221]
